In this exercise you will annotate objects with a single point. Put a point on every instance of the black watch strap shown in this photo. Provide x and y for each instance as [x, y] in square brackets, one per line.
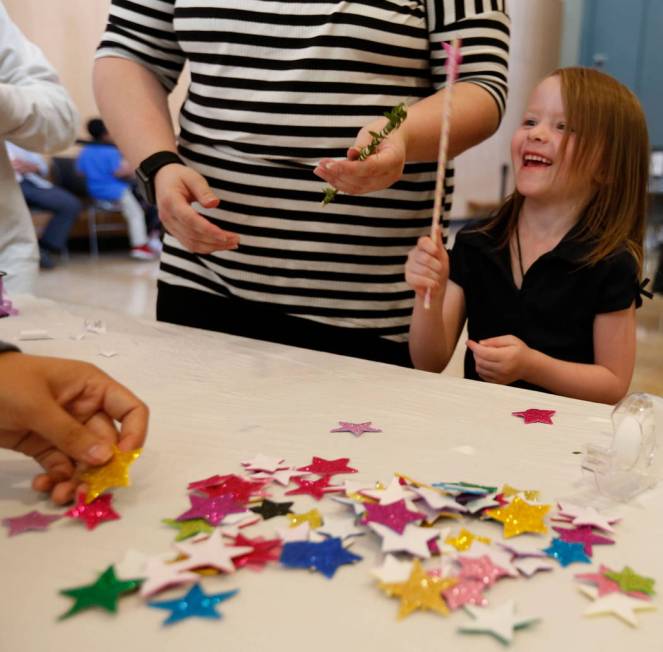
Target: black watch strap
[147, 170]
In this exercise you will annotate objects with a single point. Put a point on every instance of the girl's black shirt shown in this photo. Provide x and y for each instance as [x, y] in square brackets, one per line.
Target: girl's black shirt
[553, 312]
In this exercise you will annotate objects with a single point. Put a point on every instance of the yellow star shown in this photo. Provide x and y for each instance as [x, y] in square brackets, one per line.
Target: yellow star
[530, 494]
[519, 516]
[420, 591]
[115, 473]
[464, 540]
[312, 517]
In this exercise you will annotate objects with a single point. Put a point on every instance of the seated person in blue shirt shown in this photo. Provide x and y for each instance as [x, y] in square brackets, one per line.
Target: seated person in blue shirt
[108, 176]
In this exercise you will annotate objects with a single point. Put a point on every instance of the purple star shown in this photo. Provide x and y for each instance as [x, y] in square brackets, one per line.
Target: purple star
[213, 510]
[357, 429]
[31, 521]
[582, 534]
[395, 515]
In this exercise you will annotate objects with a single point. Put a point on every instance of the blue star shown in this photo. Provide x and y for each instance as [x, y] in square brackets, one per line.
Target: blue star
[325, 556]
[195, 603]
[567, 553]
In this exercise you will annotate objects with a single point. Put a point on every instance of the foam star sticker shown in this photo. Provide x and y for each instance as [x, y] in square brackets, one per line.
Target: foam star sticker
[628, 581]
[263, 463]
[583, 534]
[480, 568]
[238, 488]
[617, 604]
[190, 528]
[160, 575]
[298, 533]
[419, 591]
[532, 415]
[325, 556]
[392, 570]
[605, 585]
[393, 492]
[530, 565]
[338, 526]
[94, 513]
[499, 622]
[313, 517]
[414, 539]
[103, 593]
[196, 603]
[269, 509]
[394, 515]
[520, 516]
[262, 552]
[33, 520]
[115, 473]
[464, 539]
[530, 494]
[315, 488]
[567, 553]
[321, 466]
[283, 476]
[437, 500]
[466, 591]
[210, 553]
[357, 429]
[587, 516]
[213, 510]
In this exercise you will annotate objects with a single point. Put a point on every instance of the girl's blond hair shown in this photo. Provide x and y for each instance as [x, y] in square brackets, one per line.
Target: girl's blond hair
[611, 154]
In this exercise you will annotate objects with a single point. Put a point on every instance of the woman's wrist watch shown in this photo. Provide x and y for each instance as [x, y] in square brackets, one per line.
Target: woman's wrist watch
[148, 169]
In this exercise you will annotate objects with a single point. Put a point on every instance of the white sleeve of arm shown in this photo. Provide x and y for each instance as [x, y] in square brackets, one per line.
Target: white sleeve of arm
[36, 111]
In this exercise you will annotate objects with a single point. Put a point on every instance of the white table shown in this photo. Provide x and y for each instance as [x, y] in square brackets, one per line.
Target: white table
[217, 400]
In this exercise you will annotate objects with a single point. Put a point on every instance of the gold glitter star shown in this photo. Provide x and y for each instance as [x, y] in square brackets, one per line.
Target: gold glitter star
[464, 540]
[312, 517]
[519, 516]
[530, 494]
[420, 591]
[115, 473]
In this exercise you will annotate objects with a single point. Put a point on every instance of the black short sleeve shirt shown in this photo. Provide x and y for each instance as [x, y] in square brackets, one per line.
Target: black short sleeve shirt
[553, 312]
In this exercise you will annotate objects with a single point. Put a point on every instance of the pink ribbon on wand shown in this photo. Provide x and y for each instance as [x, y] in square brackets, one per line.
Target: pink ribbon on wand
[454, 57]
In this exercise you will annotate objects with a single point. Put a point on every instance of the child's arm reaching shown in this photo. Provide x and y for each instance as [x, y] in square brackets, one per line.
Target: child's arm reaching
[433, 332]
[506, 359]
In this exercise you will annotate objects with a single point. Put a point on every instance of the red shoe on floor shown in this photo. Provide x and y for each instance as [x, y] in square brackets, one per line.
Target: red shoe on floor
[144, 252]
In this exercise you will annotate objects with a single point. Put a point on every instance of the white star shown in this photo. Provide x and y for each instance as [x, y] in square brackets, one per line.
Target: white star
[357, 506]
[263, 463]
[413, 540]
[621, 605]
[338, 526]
[499, 621]
[393, 493]
[134, 563]
[530, 565]
[210, 552]
[300, 532]
[393, 570]
[482, 502]
[160, 575]
[282, 476]
[524, 547]
[438, 500]
[587, 516]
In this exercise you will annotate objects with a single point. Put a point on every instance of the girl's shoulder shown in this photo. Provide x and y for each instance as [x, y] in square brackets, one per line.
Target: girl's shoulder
[475, 234]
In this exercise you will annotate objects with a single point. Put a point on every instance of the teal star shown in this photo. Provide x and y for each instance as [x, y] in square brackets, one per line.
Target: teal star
[194, 603]
[567, 553]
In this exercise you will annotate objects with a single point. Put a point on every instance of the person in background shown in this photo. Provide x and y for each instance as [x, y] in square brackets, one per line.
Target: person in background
[63, 412]
[108, 178]
[36, 113]
[549, 286]
[39, 193]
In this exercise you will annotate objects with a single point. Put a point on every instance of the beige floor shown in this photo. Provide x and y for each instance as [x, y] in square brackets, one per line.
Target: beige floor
[115, 281]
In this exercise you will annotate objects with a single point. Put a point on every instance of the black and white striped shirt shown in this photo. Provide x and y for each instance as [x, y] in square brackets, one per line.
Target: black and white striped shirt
[276, 85]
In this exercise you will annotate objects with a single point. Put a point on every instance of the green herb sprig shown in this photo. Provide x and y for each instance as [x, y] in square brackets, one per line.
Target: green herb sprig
[395, 119]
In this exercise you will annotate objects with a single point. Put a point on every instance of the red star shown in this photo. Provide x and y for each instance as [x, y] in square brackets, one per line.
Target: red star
[238, 488]
[321, 466]
[316, 488]
[264, 551]
[582, 534]
[535, 416]
[94, 513]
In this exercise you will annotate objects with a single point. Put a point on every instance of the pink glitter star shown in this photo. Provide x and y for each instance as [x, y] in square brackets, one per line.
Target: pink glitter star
[480, 568]
[94, 513]
[316, 488]
[357, 429]
[213, 510]
[532, 415]
[394, 515]
[605, 585]
[583, 534]
[31, 521]
[321, 466]
[466, 591]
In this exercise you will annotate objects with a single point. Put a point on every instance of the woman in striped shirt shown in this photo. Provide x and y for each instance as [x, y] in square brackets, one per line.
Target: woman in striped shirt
[277, 86]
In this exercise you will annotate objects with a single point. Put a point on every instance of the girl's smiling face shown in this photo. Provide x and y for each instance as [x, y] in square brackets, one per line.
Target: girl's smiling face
[541, 167]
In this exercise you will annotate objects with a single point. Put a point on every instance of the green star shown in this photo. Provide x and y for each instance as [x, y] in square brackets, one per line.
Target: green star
[189, 528]
[629, 580]
[102, 593]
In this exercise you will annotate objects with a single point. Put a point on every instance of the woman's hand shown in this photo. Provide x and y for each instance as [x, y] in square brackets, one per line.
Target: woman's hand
[62, 412]
[177, 187]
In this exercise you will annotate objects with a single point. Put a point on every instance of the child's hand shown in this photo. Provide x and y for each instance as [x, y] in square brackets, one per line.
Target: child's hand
[500, 360]
[427, 266]
[380, 170]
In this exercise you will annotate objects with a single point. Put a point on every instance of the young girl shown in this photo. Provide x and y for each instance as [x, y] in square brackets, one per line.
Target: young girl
[549, 286]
